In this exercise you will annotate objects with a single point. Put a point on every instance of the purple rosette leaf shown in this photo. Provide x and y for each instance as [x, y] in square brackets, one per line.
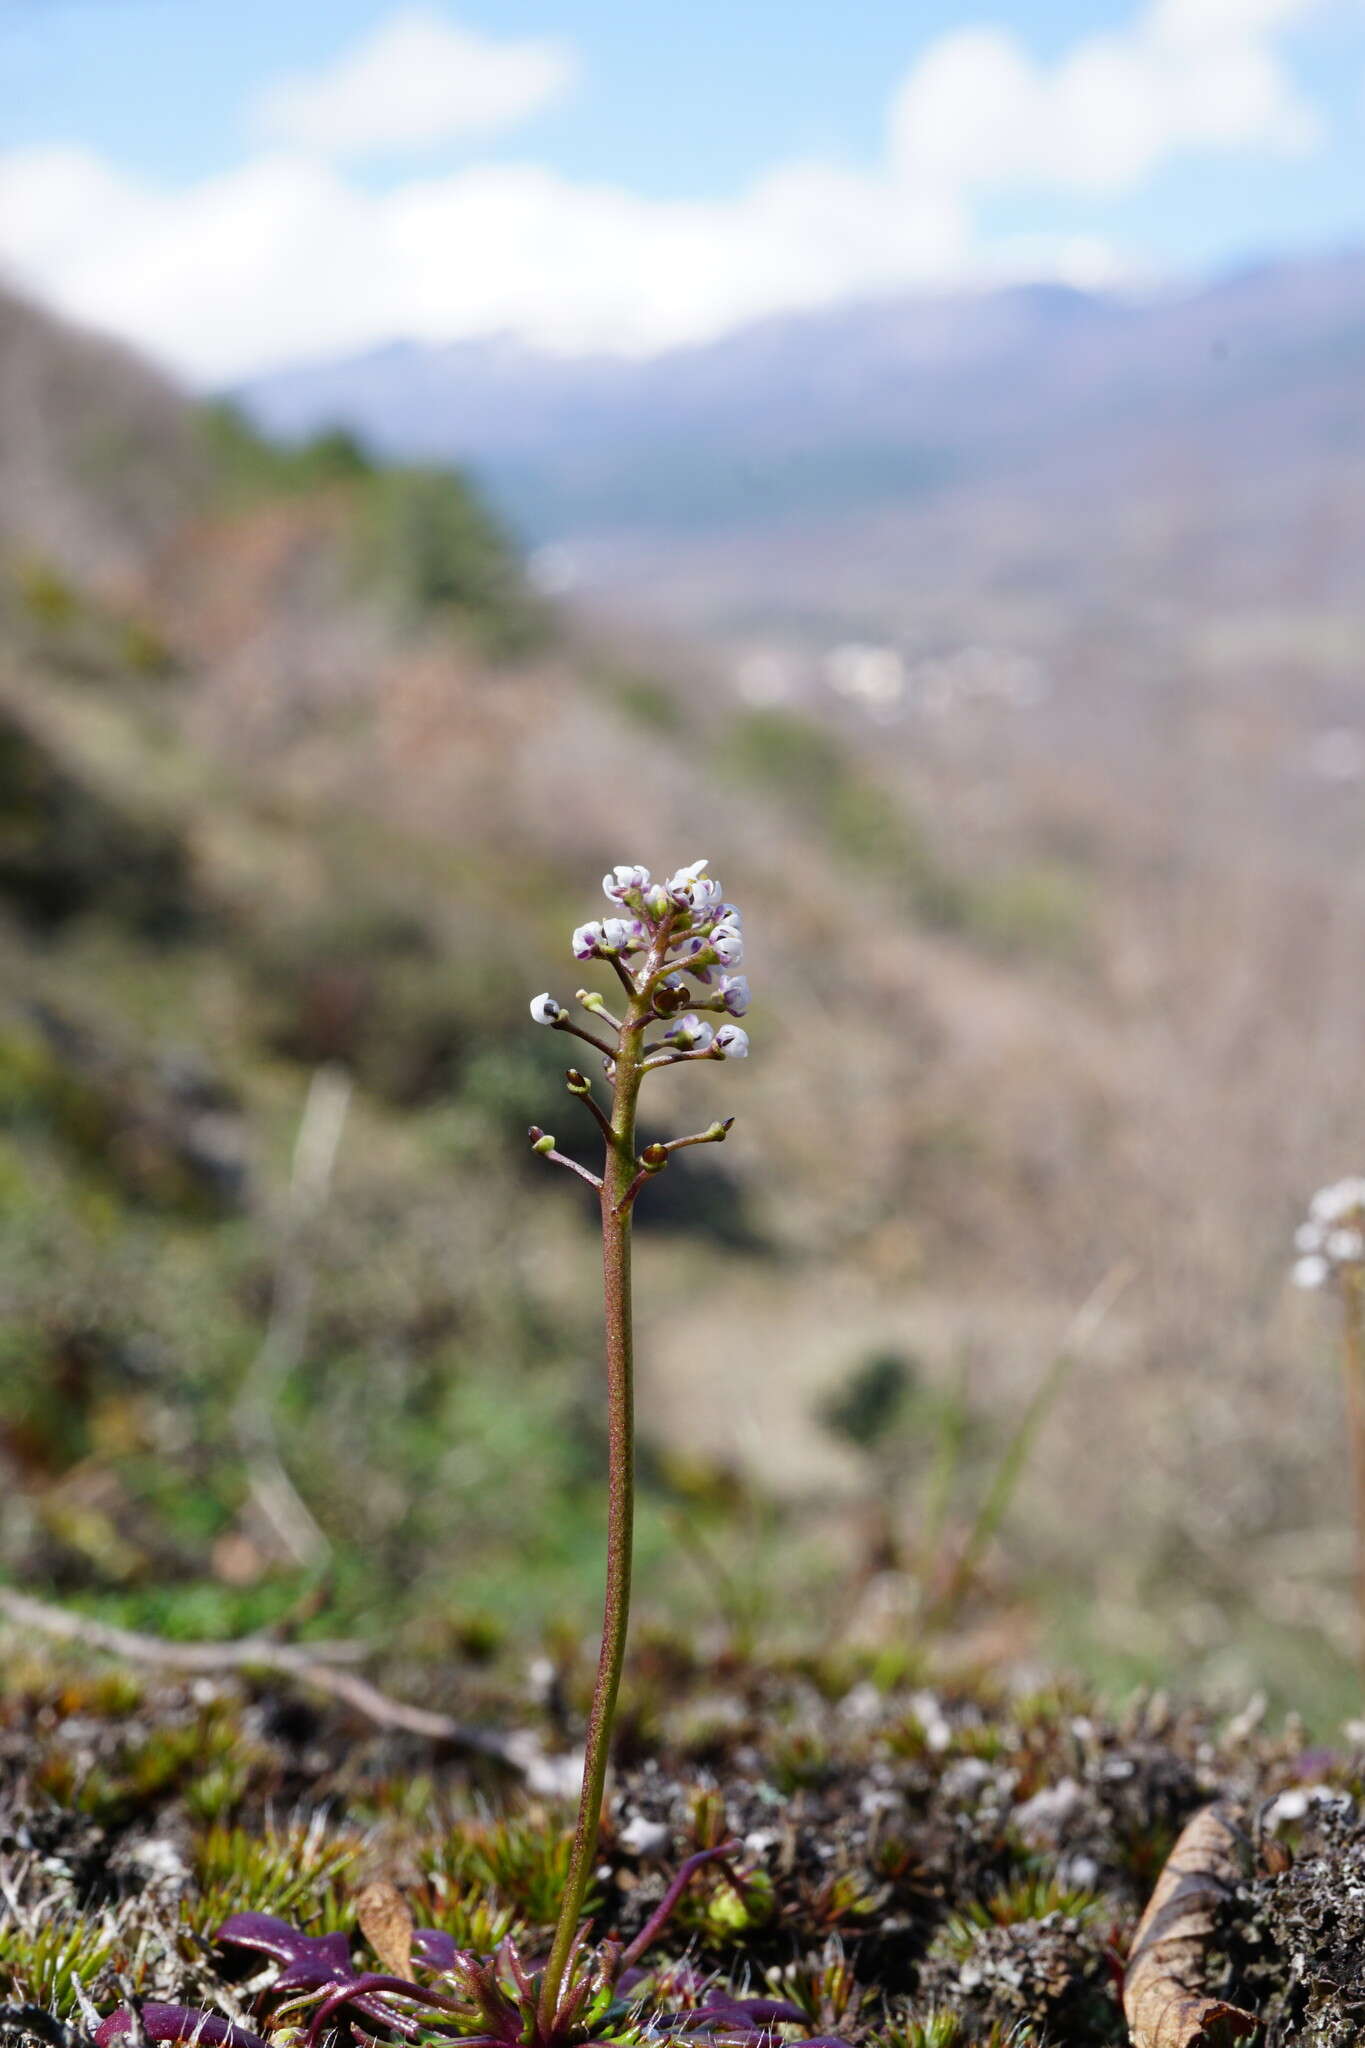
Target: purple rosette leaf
[436, 1950]
[760, 2012]
[185, 2023]
[311, 1960]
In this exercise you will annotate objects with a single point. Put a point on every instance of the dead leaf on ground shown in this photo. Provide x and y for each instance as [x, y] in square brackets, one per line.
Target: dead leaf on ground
[1163, 1999]
[386, 1923]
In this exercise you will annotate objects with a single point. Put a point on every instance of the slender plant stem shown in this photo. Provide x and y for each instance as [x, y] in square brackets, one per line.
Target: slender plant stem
[1355, 1414]
[618, 1176]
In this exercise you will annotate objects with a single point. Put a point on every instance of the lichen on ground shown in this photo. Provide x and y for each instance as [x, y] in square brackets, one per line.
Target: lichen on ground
[1294, 1932]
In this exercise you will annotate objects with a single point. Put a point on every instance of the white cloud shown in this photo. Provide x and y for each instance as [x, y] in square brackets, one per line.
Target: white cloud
[417, 80]
[980, 113]
[284, 257]
[287, 256]
[1199, 20]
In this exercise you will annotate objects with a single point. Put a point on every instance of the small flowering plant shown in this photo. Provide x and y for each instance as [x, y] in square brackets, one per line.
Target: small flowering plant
[673, 947]
[1330, 1243]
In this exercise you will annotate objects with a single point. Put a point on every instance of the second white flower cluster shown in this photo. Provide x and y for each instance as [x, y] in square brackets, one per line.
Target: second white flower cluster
[1332, 1239]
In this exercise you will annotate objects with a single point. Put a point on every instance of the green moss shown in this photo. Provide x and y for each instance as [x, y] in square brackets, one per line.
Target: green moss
[947, 2030]
[518, 1865]
[44, 1966]
[1030, 1897]
[302, 1870]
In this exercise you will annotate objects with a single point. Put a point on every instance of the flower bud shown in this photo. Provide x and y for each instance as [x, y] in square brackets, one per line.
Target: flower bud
[734, 993]
[732, 1042]
[1311, 1271]
[727, 943]
[541, 1141]
[587, 940]
[545, 1009]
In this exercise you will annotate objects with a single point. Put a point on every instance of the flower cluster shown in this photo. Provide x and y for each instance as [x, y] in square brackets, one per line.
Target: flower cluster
[1331, 1242]
[692, 942]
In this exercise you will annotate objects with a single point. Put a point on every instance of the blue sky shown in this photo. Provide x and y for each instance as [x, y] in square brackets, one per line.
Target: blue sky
[234, 184]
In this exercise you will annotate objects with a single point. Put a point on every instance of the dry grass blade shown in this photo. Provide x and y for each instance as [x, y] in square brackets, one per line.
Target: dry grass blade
[1162, 1997]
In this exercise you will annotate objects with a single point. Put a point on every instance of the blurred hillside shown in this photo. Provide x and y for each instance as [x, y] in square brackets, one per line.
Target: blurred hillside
[1056, 968]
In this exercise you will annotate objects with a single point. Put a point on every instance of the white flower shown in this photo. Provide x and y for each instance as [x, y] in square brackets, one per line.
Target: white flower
[1310, 1272]
[727, 943]
[690, 1032]
[732, 1042]
[623, 934]
[623, 882]
[545, 1009]
[702, 896]
[734, 993]
[586, 940]
[1345, 1246]
[1340, 1199]
[680, 884]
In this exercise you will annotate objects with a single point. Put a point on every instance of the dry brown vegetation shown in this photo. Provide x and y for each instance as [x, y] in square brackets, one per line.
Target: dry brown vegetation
[1038, 994]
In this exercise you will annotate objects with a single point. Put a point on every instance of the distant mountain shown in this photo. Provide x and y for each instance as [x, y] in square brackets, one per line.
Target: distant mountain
[845, 404]
[860, 410]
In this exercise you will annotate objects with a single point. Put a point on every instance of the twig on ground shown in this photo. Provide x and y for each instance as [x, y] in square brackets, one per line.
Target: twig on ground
[245, 1651]
[311, 1664]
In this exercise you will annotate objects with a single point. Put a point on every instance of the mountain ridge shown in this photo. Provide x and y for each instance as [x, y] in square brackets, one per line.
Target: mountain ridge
[575, 449]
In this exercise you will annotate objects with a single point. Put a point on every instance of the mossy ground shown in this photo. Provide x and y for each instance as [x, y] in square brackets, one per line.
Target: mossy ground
[942, 1868]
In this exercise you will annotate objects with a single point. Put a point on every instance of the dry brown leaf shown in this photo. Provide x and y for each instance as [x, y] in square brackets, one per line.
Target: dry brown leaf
[386, 1923]
[1162, 1998]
